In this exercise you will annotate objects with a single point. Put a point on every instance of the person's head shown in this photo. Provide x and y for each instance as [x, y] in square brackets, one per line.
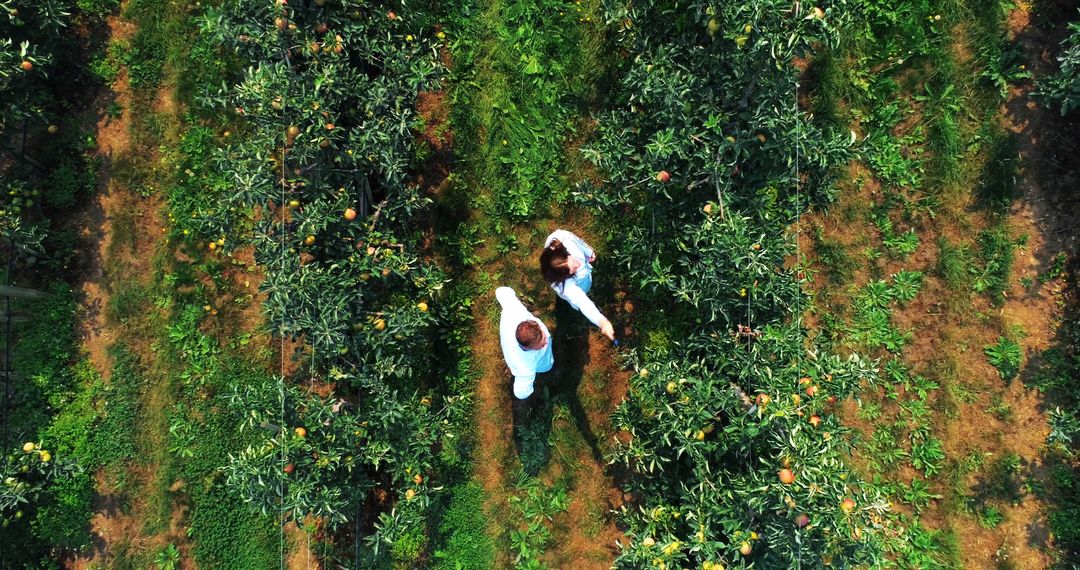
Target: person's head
[530, 336]
[556, 264]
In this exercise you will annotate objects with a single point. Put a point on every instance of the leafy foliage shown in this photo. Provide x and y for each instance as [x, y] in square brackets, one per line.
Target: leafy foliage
[1063, 87]
[700, 186]
[1005, 356]
[462, 530]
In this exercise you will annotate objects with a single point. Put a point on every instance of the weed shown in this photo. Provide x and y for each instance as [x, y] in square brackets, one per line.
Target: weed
[1005, 356]
[465, 544]
[1000, 408]
[996, 254]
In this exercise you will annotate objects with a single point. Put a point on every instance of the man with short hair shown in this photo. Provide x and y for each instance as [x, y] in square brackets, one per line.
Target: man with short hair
[526, 343]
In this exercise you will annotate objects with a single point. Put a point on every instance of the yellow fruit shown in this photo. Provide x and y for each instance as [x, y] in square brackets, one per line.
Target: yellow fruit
[46, 457]
[440, 35]
[745, 549]
[380, 324]
[700, 436]
[409, 495]
[212, 246]
[671, 387]
[409, 38]
[747, 28]
[29, 446]
[741, 41]
[648, 541]
[310, 240]
[422, 306]
[300, 432]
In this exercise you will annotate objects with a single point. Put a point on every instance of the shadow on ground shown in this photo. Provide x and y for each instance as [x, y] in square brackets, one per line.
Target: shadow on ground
[533, 417]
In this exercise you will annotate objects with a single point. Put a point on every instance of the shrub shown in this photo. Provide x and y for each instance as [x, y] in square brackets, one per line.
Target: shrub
[1063, 87]
[463, 532]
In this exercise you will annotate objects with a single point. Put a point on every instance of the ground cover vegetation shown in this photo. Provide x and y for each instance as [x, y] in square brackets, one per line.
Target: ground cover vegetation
[45, 169]
[294, 293]
[924, 87]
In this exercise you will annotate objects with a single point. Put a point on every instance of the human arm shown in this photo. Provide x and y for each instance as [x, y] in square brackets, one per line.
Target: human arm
[523, 385]
[509, 301]
[579, 300]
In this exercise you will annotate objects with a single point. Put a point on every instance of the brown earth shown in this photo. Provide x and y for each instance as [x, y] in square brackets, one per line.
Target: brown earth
[109, 258]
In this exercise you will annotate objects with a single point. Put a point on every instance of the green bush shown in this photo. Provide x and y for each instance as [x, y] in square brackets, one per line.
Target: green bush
[462, 532]
[1005, 356]
[63, 520]
[408, 548]
[66, 182]
[1063, 88]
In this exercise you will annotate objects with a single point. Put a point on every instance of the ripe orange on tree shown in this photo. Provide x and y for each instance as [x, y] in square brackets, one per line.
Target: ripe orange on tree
[787, 477]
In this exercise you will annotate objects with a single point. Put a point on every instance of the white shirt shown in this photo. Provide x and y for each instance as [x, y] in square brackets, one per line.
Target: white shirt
[523, 364]
[575, 289]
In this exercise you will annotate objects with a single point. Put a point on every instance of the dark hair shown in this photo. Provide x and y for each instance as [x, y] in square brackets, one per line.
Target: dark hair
[528, 333]
[555, 262]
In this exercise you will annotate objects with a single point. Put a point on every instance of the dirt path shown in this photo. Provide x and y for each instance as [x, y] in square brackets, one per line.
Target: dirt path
[584, 536]
[572, 419]
[1048, 211]
[111, 256]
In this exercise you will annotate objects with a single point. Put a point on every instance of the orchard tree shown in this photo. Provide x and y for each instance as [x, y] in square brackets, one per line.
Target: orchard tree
[729, 431]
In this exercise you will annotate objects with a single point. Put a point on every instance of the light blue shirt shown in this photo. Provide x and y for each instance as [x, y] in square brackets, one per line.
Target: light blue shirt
[523, 364]
[575, 289]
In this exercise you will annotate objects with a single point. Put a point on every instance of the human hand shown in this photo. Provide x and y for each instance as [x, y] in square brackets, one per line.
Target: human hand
[592, 258]
[607, 330]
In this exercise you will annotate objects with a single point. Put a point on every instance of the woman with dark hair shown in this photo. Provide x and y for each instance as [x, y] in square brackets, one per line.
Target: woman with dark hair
[566, 264]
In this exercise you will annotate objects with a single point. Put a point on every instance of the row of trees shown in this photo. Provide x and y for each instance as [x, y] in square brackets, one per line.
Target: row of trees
[729, 434]
[320, 183]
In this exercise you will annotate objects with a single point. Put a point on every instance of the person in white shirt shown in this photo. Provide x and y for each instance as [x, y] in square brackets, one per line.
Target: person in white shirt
[566, 264]
[525, 340]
